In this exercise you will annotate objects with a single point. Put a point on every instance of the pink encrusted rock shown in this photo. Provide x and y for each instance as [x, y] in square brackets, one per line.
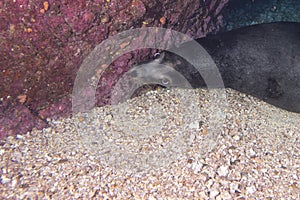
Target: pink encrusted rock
[16, 118]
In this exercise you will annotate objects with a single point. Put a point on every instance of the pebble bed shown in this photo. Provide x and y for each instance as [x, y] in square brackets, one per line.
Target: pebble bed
[166, 144]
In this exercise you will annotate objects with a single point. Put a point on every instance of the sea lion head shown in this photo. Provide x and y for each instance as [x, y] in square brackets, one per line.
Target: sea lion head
[158, 72]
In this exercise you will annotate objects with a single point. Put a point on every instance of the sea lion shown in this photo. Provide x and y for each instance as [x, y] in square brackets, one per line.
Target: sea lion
[261, 60]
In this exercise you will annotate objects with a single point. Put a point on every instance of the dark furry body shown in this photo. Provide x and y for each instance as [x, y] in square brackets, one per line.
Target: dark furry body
[261, 60]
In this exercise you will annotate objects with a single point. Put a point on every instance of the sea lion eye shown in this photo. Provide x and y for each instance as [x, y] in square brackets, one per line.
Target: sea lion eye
[165, 81]
[156, 55]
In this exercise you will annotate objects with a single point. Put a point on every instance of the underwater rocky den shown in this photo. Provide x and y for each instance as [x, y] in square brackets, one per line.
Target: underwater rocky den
[43, 43]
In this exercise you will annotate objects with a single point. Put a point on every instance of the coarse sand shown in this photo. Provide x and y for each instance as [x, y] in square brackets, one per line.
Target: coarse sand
[167, 144]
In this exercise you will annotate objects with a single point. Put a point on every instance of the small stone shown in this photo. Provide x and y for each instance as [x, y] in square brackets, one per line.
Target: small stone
[194, 125]
[236, 137]
[14, 182]
[251, 189]
[234, 187]
[202, 195]
[20, 137]
[213, 193]
[295, 177]
[105, 19]
[4, 171]
[264, 170]
[203, 177]
[197, 166]
[225, 195]
[4, 179]
[48, 158]
[252, 153]
[107, 118]
[223, 171]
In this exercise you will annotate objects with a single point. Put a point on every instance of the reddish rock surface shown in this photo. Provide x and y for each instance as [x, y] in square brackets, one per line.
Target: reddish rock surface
[43, 43]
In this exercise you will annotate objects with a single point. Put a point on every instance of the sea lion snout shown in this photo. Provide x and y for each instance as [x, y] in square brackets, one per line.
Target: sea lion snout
[157, 73]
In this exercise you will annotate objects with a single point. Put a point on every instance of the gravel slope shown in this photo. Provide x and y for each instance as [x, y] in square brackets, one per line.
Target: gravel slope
[155, 146]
